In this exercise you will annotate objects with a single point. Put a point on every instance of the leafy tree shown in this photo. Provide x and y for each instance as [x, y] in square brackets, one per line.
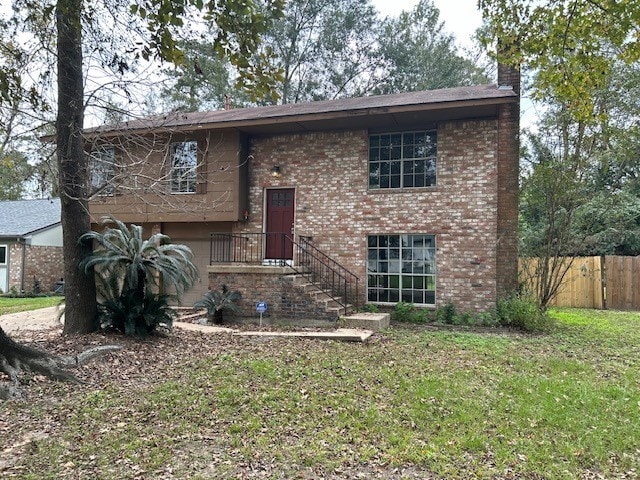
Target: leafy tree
[130, 268]
[582, 56]
[335, 48]
[14, 173]
[201, 81]
[571, 46]
[325, 49]
[554, 186]
[609, 223]
[421, 55]
[238, 27]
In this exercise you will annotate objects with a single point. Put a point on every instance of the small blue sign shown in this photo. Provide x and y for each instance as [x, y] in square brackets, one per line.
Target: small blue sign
[261, 307]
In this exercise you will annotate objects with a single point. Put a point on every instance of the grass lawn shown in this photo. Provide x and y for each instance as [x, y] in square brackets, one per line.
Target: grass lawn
[413, 403]
[13, 305]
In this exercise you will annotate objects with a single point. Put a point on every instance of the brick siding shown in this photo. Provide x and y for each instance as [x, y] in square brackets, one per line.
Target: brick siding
[329, 171]
[284, 301]
[44, 264]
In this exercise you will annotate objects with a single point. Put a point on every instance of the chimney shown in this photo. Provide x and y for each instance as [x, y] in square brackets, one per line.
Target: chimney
[508, 173]
[508, 74]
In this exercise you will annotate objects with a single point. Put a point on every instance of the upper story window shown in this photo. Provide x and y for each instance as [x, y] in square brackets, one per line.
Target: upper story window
[402, 160]
[103, 168]
[184, 163]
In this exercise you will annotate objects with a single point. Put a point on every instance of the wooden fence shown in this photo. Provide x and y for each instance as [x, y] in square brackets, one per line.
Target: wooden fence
[610, 282]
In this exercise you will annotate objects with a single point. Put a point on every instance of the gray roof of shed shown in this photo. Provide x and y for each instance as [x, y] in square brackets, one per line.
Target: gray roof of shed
[19, 218]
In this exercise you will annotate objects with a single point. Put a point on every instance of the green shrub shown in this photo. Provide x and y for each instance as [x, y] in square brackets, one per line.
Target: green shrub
[127, 269]
[128, 315]
[446, 314]
[370, 307]
[408, 313]
[216, 302]
[524, 313]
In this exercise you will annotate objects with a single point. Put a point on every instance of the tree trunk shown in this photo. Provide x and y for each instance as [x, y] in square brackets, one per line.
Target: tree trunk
[16, 358]
[73, 166]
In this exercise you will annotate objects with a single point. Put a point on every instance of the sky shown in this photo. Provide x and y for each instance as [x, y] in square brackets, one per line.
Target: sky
[461, 17]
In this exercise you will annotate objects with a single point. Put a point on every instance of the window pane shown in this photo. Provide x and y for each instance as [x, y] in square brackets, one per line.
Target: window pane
[3, 254]
[374, 179]
[383, 295]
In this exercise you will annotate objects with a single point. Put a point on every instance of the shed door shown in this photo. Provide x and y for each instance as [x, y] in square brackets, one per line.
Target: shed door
[279, 224]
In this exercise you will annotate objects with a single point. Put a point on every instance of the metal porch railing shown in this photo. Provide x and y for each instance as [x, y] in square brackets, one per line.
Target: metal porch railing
[281, 249]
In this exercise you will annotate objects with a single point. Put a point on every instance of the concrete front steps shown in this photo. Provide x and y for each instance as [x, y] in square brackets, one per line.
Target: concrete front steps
[346, 317]
[365, 320]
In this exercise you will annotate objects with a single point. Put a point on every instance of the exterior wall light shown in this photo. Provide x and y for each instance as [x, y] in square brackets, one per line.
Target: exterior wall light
[276, 172]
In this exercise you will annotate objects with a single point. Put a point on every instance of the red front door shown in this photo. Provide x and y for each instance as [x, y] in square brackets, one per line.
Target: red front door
[280, 208]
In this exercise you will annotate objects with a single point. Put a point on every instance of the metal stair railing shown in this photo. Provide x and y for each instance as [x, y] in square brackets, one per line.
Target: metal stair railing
[342, 285]
[328, 275]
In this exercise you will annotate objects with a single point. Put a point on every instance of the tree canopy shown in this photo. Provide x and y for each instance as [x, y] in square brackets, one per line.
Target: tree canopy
[570, 46]
[329, 49]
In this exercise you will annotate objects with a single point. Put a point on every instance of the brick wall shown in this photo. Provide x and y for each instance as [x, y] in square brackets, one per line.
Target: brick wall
[271, 286]
[329, 171]
[42, 263]
[15, 266]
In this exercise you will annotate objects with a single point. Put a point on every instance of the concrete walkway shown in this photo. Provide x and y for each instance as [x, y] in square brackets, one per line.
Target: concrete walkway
[46, 318]
[41, 319]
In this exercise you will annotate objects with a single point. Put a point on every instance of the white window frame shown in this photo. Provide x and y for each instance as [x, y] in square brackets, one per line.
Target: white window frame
[399, 160]
[6, 255]
[183, 178]
[400, 270]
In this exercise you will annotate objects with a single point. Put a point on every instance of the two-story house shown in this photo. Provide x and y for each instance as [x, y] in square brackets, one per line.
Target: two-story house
[407, 197]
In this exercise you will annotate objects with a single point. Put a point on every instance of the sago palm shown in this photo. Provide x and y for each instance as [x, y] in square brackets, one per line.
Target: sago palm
[137, 264]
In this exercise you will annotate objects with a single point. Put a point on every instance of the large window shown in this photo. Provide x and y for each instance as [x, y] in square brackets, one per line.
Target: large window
[402, 160]
[401, 268]
[184, 163]
[103, 171]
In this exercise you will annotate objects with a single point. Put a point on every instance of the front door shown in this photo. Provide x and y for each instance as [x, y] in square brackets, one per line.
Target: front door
[279, 223]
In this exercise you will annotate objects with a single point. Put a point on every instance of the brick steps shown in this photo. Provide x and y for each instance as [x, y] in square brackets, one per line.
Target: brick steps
[319, 296]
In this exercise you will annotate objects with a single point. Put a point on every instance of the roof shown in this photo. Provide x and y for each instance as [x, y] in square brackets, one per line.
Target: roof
[327, 110]
[19, 218]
